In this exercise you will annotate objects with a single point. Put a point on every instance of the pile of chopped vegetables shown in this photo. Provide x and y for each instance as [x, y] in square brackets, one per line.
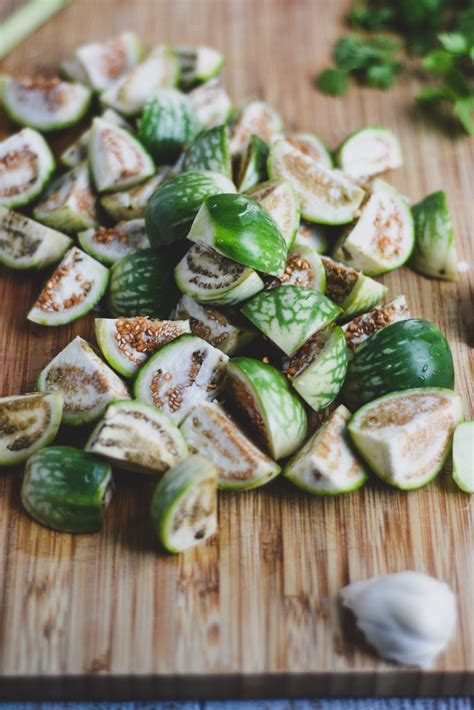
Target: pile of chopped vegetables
[228, 310]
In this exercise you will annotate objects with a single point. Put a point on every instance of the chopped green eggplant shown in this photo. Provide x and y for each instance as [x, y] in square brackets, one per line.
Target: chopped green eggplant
[26, 244]
[353, 291]
[184, 372]
[184, 505]
[326, 195]
[326, 465]
[383, 236]
[405, 437]
[261, 395]
[289, 315]
[435, 248]
[360, 327]
[46, 104]
[218, 326]
[255, 118]
[311, 145]
[130, 94]
[251, 164]
[168, 124]
[127, 343]
[88, 385]
[117, 160]
[279, 198]
[211, 103]
[173, 207]
[369, 151]
[69, 203]
[109, 244]
[198, 64]
[78, 151]
[137, 437]
[312, 235]
[463, 456]
[132, 203]
[67, 489]
[406, 354]
[26, 165]
[317, 370]
[208, 430]
[304, 268]
[240, 229]
[142, 284]
[28, 423]
[210, 151]
[207, 276]
[76, 286]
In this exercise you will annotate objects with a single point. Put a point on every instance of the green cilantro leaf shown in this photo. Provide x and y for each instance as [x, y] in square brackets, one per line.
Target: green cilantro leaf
[454, 42]
[332, 82]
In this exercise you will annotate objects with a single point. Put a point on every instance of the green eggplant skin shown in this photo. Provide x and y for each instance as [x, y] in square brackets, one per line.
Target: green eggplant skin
[435, 249]
[65, 489]
[210, 151]
[142, 284]
[174, 205]
[404, 355]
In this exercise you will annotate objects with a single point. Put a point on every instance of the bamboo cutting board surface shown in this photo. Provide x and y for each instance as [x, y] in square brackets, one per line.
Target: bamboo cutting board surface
[252, 612]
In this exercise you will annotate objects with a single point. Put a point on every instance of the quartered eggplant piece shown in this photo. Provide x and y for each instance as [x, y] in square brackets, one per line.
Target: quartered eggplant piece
[211, 103]
[463, 456]
[186, 371]
[310, 144]
[26, 244]
[312, 235]
[434, 253]
[255, 118]
[352, 291]
[210, 151]
[77, 152]
[69, 203]
[368, 152]
[250, 165]
[132, 203]
[137, 437]
[361, 327]
[303, 268]
[210, 431]
[86, 382]
[109, 244]
[26, 166]
[198, 64]
[279, 198]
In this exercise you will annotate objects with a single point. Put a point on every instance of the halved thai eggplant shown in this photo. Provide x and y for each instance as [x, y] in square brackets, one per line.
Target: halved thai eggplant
[303, 268]
[210, 151]
[281, 201]
[109, 244]
[289, 315]
[101, 64]
[184, 505]
[266, 405]
[167, 125]
[184, 372]
[75, 287]
[67, 489]
[369, 151]
[251, 164]
[405, 437]
[142, 284]
[352, 291]
[211, 103]
[219, 327]
[435, 248]
[26, 165]
[173, 207]
[132, 203]
[326, 195]
[463, 456]
[207, 276]
[28, 422]
[317, 370]
[208, 430]
[327, 465]
[26, 244]
[242, 230]
[360, 327]
[47, 104]
[255, 118]
[128, 95]
[312, 235]
[198, 64]
[69, 202]
[137, 437]
[126, 343]
[383, 236]
[117, 160]
[86, 382]
[311, 145]
[78, 151]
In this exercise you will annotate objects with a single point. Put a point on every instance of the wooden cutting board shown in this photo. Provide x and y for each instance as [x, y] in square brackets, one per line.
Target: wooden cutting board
[254, 611]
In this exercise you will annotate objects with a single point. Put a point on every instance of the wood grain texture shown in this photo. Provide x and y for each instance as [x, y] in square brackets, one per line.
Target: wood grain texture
[254, 611]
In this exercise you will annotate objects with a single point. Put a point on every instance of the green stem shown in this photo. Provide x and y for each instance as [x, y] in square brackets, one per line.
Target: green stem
[25, 20]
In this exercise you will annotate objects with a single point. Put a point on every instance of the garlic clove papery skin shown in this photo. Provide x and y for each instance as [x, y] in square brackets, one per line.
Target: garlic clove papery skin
[407, 617]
